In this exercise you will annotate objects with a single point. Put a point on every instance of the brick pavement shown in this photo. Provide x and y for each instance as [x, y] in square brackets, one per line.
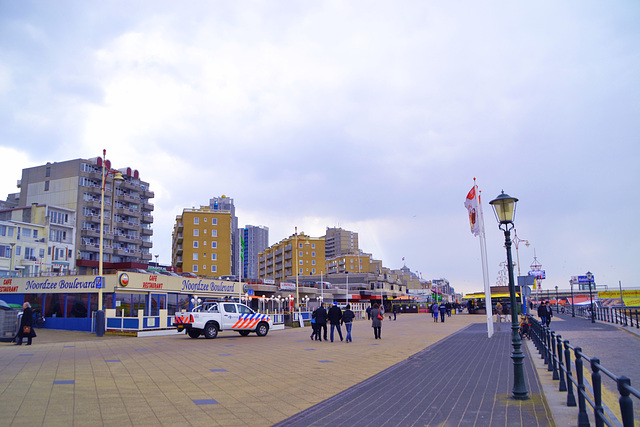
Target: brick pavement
[75, 378]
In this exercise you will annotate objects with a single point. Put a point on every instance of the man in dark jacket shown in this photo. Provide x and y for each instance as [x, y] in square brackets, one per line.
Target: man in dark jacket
[542, 313]
[321, 322]
[26, 321]
[335, 315]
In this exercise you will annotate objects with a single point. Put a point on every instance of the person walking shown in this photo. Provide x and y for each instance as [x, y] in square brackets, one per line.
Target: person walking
[443, 310]
[499, 312]
[369, 313]
[26, 325]
[347, 319]
[395, 312]
[335, 316]
[542, 313]
[549, 313]
[435, 310]
[314, 329]
[321, 322]
[376, 321]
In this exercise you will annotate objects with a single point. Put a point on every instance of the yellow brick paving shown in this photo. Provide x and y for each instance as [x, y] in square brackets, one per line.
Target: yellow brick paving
[255, 381]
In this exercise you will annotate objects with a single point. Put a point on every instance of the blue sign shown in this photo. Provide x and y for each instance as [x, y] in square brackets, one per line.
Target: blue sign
[99, 282]
[585, 279]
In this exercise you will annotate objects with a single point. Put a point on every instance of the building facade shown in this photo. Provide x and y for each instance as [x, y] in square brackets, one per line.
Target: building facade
[349, 263]
[224, 203]
[201, 242]
[340, 242]
[77, 185]
[256, 240]
[278, 261]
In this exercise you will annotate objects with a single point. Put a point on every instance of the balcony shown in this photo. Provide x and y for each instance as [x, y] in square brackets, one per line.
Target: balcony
[146, 244]
[146, 218]
[149, 195]
[146, 231]
[146, 256]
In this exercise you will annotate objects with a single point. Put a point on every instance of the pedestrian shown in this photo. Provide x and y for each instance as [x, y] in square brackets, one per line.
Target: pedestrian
[448, 308]
[542, 313]
[435, 310]
[321, 322]
[376, 321]
[26, 325]
[499, 312]
[395, 312]
[549, 313]
[347, 319]
[335, 316]
[369, 313]
[314, 329]
[443, 309]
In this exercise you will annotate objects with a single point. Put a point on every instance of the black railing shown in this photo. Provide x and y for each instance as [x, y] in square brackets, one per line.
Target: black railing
[625, 316]
[557, 356]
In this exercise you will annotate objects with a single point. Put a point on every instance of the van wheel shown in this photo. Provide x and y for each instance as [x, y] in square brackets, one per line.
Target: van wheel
[210, 331]
[262, 329]
[194, 333]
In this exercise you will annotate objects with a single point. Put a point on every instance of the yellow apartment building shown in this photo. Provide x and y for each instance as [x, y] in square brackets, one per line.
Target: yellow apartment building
[201, 242]
[278, 261]
[352, 263]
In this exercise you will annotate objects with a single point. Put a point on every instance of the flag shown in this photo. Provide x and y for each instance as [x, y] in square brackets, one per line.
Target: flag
[471, 203]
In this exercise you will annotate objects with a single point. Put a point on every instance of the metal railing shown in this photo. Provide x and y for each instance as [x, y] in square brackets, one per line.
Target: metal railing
[625, 316]
[557, 356]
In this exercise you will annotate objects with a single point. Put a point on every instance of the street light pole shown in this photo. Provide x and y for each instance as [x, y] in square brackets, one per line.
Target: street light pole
[573, 309]
[557, 305]
[117, 176]
[504, 208]
[590, 279]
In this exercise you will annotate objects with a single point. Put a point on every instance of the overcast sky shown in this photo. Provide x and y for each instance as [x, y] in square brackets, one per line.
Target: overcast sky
[373, 116]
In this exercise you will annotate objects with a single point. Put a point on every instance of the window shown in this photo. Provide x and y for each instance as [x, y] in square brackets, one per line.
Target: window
[35, 234]
[229, 308]
[214, 268]
[195, 256]
[214, 221]
[196, 220]
[41, 253]
[196, 232]
[214, 245]
[214, 233]
[26, 232]
[195, 244]
[47, 171]
[46, 186]
[204, 243]
[214, 257]
[300, 262]
[313, 262]
[5, 251]
[300, 254]
[195, 268]
[300, 245]
[204, 267]
[313, 254]
[313, 246]
[205, 219]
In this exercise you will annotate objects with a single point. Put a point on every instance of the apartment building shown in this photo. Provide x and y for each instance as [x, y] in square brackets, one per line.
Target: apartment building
[226, 204]
[256, 240]
[37, 239]
[76, 185]
[339, 242]
[359, 262]
[201, 242]
[278, 262]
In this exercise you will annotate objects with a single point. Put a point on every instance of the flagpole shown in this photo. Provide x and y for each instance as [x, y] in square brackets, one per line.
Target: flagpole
[485, 268]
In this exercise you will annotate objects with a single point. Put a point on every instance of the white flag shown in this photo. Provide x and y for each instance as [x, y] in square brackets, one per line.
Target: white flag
[471, 203]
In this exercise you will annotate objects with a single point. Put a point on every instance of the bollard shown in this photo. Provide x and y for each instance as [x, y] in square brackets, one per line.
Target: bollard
[571, 398]
[626, 404]
[563, 385]
[583, 419]
[596, 383]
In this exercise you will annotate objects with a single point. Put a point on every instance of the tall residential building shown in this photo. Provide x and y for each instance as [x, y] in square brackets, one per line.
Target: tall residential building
[340, 242]
[225, 203]
[278, 261]
[37, 239]
[77, 185]
[201, 242]
[256, 240]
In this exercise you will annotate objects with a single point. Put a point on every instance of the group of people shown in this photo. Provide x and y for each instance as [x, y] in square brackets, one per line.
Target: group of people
[441, 309]
[545, 313]
[336, 317]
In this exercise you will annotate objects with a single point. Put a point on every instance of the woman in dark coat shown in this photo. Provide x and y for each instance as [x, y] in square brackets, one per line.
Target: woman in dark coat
[27, 320]
[376, 323]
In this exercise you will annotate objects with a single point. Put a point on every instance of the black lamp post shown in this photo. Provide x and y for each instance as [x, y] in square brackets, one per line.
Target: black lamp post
[504, 207]
[590, 279]
[573, 309]
[557, 302]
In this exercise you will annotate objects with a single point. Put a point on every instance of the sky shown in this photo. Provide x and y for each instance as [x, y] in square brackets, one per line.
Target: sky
[373, 116]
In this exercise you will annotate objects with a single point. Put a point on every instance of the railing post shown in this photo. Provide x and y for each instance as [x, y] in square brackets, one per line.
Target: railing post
[553, 356]
[571, 398]
[596, 383]
[549, 359]
[563, 384]
[626, 404]
[583, 418]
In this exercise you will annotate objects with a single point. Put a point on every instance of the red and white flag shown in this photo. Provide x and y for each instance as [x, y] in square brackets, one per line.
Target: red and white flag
[473, 207]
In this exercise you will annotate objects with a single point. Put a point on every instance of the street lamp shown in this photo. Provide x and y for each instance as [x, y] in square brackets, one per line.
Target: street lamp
[590, 279]
[573, 310]
[117, 176]
[504, 208]
[557, 306]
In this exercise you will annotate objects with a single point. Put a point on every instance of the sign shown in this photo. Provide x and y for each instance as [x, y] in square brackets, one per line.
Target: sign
[99, 281]
[585, 279]
[538, 274]
[284, 286]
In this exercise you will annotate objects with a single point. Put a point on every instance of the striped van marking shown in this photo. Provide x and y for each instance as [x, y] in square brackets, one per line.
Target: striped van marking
[248, 321]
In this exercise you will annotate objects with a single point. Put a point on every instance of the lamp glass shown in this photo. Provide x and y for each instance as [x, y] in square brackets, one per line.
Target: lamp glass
[504, 207]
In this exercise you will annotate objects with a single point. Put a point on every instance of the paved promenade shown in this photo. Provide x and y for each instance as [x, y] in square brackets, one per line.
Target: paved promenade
[419, 373]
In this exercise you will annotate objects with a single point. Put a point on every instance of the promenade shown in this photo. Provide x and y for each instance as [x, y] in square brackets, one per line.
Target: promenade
[419, 373]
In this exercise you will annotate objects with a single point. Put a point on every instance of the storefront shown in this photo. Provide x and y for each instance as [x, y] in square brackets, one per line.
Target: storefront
[132, 301]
